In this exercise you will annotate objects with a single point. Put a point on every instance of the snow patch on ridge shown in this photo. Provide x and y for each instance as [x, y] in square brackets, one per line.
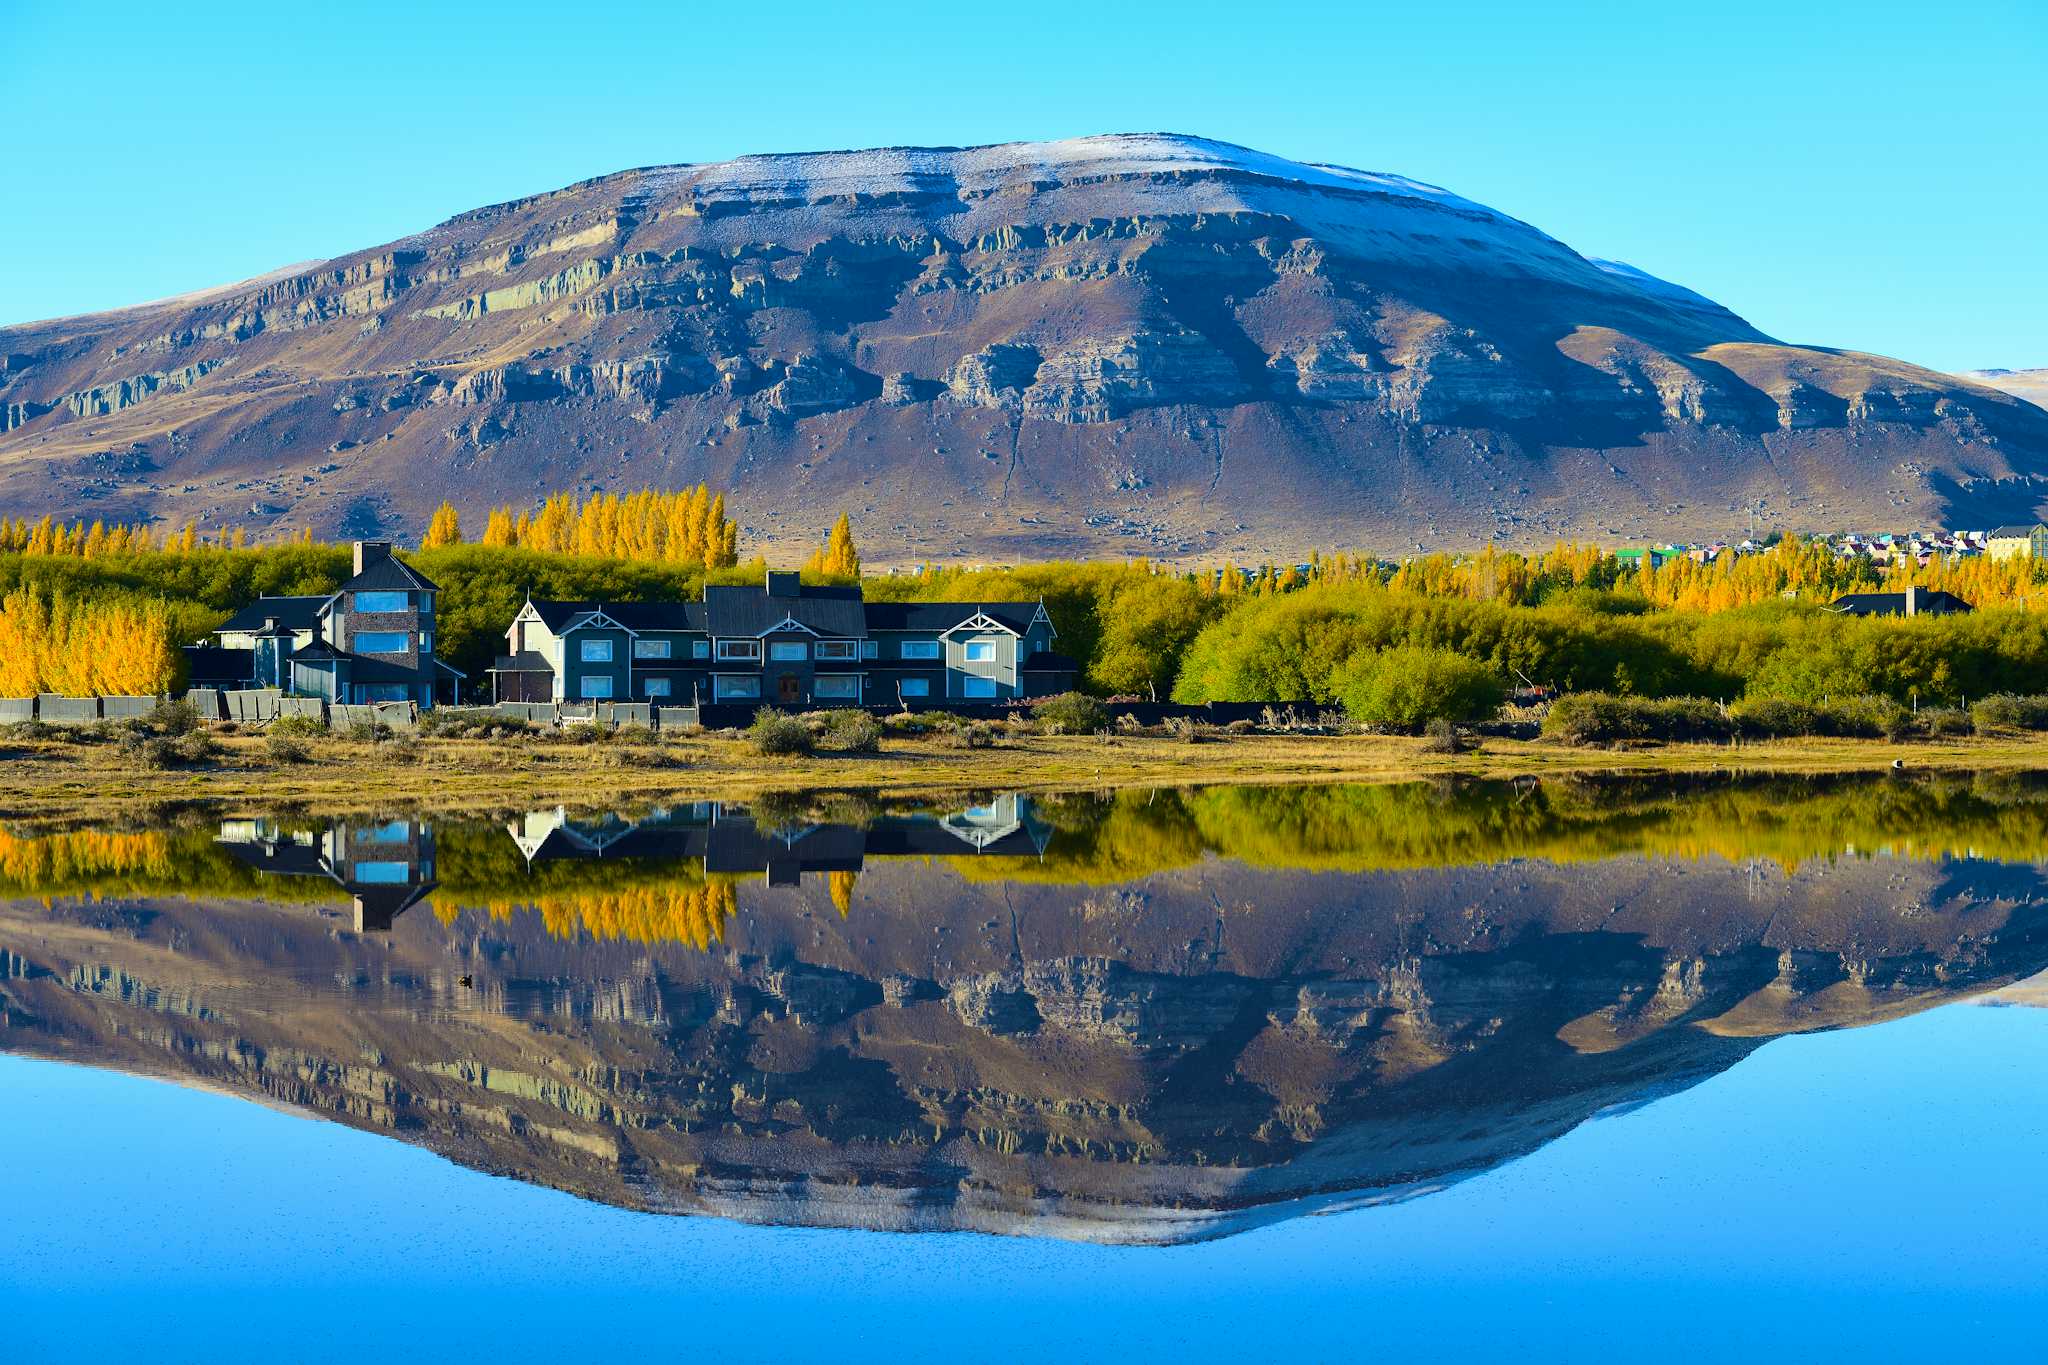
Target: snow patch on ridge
[885, 170]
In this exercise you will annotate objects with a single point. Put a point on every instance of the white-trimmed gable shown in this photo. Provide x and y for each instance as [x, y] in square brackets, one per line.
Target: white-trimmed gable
[979, 623]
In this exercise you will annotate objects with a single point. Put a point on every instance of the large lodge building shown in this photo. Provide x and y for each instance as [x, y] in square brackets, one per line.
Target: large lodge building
[780, 642]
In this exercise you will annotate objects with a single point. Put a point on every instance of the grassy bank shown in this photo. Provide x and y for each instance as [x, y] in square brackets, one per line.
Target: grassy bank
[45, 778]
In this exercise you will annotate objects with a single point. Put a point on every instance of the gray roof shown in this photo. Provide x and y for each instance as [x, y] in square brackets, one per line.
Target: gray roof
[740, 610]
[1931, 601]
[635, 616]
[292, 613]
[390, 573]
[2010, 532]
[943, 616]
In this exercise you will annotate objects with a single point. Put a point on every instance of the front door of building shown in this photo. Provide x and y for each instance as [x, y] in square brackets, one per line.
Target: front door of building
[789, 691]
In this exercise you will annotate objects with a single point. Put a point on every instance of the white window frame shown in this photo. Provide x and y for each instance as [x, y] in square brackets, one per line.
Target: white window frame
[979, 651]
[657, 687]
[826, 687]
[594, 687]
[924, 649]
[839, 649]
[788, 652]
[915, 687]
[594, 651]
[738, 651]
[653, 649]
[719, 682]
[971, 688]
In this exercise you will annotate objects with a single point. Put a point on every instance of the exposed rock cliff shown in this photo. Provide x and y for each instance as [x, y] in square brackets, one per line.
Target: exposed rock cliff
[1128, 343]
[1181, 1056]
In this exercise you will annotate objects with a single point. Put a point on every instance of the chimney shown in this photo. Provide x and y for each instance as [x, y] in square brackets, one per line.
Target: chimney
[784, 584]
[1912, 599]
[269, 625]
[370, 552]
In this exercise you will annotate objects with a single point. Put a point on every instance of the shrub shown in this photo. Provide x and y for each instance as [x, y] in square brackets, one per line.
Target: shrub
[1406, 688]
[1071, 713]
[366, 730]
[296, 727]
[1944, 722]
[1441, 737]
[168, 751]
[287, 748]
[778, 735]
[1188, 730]
[1599, 718]
[174, 718]
[2005, 711]
[853, 732]
[1775, 717]
[975, 735]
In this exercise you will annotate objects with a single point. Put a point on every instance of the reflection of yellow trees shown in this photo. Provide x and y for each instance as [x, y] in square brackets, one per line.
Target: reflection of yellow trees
[1389, 828]
[842, 891]
[682, 912]
[81, 857]
[187, 863]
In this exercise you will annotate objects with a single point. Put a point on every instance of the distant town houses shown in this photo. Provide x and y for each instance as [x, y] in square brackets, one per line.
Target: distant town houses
[784, 642]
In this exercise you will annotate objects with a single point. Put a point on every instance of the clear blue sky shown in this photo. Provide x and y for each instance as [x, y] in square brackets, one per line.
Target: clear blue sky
[1866, 176]
[1872, 1195]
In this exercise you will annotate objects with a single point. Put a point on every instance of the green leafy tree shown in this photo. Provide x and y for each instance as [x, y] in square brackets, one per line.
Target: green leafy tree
[1406, 688]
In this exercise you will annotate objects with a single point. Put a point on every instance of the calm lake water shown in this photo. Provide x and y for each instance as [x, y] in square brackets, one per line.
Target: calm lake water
[1544, 1070]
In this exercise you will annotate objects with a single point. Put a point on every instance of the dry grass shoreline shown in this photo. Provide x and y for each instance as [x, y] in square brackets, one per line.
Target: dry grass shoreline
[65, 779]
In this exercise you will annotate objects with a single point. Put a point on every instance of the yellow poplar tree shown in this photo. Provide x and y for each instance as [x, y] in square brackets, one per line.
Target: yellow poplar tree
[444, 529]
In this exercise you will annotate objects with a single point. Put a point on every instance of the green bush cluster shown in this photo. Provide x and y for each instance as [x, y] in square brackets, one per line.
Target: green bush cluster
[1071, 713]
[1406, 688]
[780, 736]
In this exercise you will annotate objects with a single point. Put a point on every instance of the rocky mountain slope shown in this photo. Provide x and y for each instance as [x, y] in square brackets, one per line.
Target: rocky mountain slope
[1177, 1056]
[1123, 344]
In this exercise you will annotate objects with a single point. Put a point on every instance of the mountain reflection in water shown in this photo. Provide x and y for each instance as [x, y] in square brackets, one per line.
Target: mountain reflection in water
[1144, 1017]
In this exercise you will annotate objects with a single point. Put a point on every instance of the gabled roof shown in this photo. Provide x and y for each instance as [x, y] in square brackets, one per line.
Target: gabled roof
[292, 613]
[940, 617]
[2010, 532]
[735, 610]
[633, 616]
[390, 573]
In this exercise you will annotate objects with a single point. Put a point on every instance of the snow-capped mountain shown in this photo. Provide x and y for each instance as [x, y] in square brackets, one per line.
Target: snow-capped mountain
[1125, 344]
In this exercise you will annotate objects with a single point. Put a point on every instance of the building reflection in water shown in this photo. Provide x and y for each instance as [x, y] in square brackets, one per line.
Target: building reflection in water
[386, 866]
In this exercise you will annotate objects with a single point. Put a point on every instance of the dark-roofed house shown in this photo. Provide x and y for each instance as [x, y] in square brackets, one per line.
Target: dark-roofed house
[370, 640]
[1914, 601]
[781, 642]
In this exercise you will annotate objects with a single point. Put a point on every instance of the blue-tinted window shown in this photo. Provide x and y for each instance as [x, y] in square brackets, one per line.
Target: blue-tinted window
[378, 642]
[915, 687]
[920, 649]
[977, 687]
[390, 832]
[384, 874]
[383, 601]
[981, 651]
[596, 651]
